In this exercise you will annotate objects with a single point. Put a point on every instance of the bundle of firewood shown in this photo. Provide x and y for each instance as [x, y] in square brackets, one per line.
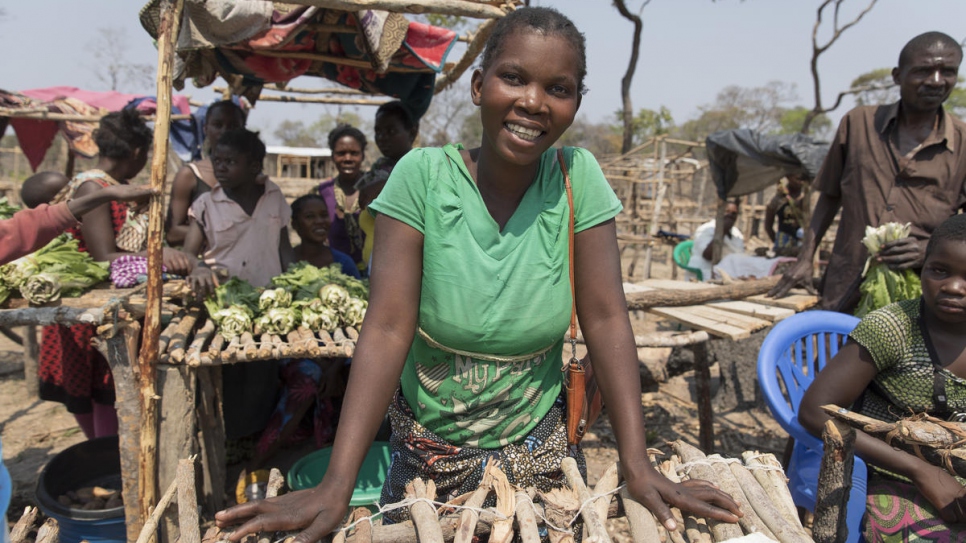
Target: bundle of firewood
[757, 483]
[27, 531]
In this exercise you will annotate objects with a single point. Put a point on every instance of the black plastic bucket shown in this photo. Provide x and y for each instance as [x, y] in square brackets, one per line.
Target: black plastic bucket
[96, 462]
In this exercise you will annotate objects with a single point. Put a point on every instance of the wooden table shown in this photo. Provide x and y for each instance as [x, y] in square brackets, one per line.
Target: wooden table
[731, 319]
[188, 383]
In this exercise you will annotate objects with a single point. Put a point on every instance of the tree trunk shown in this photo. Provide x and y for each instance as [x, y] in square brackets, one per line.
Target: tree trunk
[627, 113]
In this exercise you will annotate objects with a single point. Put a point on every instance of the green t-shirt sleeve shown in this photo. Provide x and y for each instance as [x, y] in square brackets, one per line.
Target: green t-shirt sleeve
[594, 199]
[404, 196]
[883, 335]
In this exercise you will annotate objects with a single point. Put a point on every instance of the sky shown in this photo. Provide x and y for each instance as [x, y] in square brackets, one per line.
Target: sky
[690, 49]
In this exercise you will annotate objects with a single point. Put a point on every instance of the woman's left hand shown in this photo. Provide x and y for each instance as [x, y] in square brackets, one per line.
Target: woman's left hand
[701, 498]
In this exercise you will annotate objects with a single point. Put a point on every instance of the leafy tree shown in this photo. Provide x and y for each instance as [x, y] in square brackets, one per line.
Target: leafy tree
[758, 108]
[956, 103]
[646, 124]
[598, 138]
[296, 134]
[793, 119]
[874, 88]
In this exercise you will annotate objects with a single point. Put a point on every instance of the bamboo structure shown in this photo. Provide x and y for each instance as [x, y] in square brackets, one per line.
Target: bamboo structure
[316, 100]
[148, 356]
[44, 115]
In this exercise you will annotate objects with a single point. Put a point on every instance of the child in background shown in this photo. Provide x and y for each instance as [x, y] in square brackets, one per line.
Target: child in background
[348, 145]
[42, 188]
[197, 178]
[243, 222]
[470, 274]
[310, 218]
[908, 357]
[395, 133]
[71, 371]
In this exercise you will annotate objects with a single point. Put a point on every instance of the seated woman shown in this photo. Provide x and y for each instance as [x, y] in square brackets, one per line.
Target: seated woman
[908, 357]
[310, 217]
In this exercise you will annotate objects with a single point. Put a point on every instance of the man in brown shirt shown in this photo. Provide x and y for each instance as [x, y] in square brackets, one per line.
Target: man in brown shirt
[904, 162]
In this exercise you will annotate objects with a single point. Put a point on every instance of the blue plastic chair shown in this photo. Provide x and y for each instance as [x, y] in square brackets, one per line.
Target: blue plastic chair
[792, 353]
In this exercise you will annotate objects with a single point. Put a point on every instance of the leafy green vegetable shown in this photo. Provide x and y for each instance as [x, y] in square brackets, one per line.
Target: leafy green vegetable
[233, 321]
[883, 286]
[233, 293]
[56, 270]
[274, 297]
[306, 280]
[7, 209]
[277, 320]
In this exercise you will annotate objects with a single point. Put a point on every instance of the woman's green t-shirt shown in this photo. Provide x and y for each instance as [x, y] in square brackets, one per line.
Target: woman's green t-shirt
[503, 293]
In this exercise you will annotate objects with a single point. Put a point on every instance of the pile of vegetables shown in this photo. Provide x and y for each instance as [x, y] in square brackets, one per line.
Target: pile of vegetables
[315, 298]
[7, 209]
[57, 270]
[881, 285]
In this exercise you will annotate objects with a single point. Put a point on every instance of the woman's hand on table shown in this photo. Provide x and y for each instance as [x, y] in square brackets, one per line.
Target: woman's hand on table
[314, 509]
[702, 498]
[943, 491]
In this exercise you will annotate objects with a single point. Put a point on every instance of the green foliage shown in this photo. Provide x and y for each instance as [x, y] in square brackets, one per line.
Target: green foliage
[599, 138]
[7, 209]
[646, 124]
[300, 134]
[883, 90]
[58, 269]
[793, 119]
[956, 103]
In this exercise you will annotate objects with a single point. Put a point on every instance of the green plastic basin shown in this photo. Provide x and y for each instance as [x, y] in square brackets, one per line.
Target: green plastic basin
[308, 472]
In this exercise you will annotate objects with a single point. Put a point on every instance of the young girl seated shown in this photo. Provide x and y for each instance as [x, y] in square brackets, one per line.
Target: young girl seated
[310, 217]
[243, 222]
[909, 357]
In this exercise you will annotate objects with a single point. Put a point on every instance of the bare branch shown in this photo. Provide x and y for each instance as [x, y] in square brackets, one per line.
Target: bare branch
[628, 109]
[853, 91]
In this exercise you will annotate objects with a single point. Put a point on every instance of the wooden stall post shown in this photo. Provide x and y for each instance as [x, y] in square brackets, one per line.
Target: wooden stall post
[31, 356]
[148, 357]
[120, 349]
[834, 483]
[702, 385]
[656, 216]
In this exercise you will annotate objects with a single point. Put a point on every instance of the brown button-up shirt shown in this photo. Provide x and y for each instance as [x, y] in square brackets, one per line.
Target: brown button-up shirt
[877, 185]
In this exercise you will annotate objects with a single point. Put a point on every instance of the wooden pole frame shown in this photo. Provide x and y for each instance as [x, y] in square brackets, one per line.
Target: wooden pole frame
[148, 355]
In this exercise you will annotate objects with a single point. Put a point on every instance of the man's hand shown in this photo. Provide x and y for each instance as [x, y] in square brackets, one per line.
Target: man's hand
[903, 254]
[800, 274]
[203, 282]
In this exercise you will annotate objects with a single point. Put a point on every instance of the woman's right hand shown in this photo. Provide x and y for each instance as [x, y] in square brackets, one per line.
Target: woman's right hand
[314, 509]
[943, 491]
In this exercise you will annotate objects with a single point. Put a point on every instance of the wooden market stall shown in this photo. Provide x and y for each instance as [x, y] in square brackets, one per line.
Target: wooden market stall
[164, 352]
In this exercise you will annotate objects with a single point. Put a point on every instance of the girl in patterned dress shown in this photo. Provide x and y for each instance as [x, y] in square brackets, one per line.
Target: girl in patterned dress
[908, 357]
[71, 371]
[471, 297]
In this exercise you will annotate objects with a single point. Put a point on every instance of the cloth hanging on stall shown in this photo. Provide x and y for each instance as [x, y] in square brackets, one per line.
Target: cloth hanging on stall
[402, 57]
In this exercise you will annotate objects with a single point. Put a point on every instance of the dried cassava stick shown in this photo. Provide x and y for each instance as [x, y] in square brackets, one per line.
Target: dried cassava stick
[594, 524]
[181, 333]
[765, 509]
[641, 522]
[696, 529]
[311, 343]
[604, 488]
[526, 520]
[768, 472]
[560, 505]
[294, 340]
[502, 530]
[338, 335]
[325, 338]
[230, 354]
[422, 513]
[668, 468]
[751, 522]
[217, 344]
[468, 517]
[265, 346]
[249, 347]
[699, 469]
[26, 523]
[199, 343]
[165, 338]
[49, 532]
[834, 483]
[352, 333]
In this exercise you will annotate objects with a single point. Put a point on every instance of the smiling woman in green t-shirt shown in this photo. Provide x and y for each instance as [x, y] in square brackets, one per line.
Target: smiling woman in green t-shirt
[470, 299]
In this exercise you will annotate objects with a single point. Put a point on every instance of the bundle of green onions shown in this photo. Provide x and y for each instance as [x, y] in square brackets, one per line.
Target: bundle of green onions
[882, 285]
[57, 270]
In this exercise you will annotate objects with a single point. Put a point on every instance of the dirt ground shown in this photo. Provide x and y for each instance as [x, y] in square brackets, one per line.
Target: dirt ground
[34, 431]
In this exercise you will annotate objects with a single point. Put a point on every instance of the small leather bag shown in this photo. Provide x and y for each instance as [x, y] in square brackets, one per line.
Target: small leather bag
[584, 401]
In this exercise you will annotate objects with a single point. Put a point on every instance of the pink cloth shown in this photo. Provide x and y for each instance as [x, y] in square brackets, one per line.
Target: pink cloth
[109, 100]
[31, 229]
[246, 246]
